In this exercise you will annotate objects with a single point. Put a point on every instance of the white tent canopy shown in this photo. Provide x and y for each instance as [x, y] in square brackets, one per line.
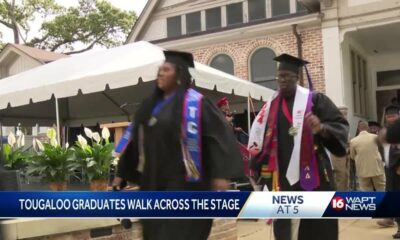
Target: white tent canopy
[91, 87]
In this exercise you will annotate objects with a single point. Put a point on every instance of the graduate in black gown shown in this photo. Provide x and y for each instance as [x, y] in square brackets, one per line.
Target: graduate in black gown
[329, 131]
[392, 168]
[154, 160]
[392, 133]
[223, 105]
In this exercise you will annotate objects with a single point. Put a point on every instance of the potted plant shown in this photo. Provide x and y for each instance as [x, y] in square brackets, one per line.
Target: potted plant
[14, 154]
[15, 158]
[52, 161]
[96, 158]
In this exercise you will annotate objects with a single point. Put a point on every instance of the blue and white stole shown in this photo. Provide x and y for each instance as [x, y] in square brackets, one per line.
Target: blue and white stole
[125, 140]
[191, 135]
[191, 140]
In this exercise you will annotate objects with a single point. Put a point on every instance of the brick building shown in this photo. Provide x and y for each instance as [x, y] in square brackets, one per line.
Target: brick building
[341, 38]
[238, 37]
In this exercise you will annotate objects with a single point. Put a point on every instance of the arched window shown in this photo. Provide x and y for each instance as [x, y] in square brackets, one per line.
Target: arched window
[263, 68]
[223, 62]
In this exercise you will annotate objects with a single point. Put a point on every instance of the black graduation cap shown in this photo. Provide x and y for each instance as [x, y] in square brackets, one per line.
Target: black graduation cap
[293, 64]
[179, 58]
[392, 109]
[290, 63]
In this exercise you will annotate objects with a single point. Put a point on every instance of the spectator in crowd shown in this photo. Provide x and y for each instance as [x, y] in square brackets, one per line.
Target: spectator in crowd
[368, 161]
[392, 162]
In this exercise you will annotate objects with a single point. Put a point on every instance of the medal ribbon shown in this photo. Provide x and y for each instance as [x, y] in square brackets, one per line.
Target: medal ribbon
[286, 112]
[160, 104]
[125, 140]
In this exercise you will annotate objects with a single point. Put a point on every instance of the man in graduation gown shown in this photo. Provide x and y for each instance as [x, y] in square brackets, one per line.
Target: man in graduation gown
[289, 139]
[155, 157]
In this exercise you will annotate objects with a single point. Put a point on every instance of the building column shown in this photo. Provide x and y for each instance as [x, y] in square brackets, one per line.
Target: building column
[334, 82]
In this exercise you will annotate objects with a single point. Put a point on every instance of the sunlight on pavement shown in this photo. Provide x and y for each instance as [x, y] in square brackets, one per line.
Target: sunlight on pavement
[348, 230]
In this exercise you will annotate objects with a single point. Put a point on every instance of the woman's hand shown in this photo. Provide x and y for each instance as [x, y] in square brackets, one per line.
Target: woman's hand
[220, 184]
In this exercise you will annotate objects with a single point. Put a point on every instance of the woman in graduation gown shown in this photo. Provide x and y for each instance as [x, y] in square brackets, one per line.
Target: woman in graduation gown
[154, 157]
[324, 125]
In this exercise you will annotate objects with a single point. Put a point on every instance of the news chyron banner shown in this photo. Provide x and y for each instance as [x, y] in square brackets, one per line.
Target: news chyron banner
[242, 205]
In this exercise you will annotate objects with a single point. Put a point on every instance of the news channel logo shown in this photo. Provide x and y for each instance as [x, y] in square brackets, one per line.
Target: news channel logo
[339, 203]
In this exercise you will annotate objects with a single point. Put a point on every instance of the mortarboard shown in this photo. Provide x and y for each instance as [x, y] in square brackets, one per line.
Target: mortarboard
[179, 58]
[392, 109]
[290, 63]
[223, 102]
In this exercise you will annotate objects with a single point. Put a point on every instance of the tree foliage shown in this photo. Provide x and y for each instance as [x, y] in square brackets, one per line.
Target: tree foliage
[69, 30]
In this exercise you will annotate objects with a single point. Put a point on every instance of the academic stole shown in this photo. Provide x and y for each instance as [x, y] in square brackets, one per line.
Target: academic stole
[191, 141]
[125, 140]
[306, 162]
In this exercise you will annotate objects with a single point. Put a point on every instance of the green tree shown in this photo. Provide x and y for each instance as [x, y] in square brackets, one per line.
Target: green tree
[68, 30]
[16, 15]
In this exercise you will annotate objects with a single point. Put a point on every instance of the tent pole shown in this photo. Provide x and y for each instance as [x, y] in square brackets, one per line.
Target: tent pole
[249, 127]
[248, 115]
[58, 122]
[1, 144]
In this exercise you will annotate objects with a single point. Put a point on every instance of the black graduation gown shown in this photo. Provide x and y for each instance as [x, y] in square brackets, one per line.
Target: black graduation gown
[337, 127]
[164, 169]
[392, 178]
[393, 133]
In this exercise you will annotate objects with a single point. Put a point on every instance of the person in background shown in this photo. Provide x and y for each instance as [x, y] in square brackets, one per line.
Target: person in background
[159, 158]
[392, 162]
[302, 123]
[393, 133]
[241, 136]
[223, 105]
[369, 165]
[341, 166]
[353, 173]
[374, 127]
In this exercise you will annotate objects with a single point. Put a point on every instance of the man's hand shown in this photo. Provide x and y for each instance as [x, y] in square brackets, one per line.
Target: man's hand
[220, 184]
[238, 129]
[314, 123]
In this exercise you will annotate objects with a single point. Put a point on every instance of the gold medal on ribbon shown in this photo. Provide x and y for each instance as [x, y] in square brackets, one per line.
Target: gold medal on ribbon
[293, 131]
[152, 121]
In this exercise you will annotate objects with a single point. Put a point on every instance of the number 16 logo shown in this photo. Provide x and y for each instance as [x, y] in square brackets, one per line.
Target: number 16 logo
[338, 203]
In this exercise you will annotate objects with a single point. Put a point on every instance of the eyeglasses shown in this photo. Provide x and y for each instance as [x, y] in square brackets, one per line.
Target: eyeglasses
[286, 77]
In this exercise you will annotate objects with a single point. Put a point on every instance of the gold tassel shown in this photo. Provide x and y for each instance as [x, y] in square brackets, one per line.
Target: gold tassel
[275, 181]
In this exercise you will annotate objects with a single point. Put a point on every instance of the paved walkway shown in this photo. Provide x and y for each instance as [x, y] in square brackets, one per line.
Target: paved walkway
[348, 230]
